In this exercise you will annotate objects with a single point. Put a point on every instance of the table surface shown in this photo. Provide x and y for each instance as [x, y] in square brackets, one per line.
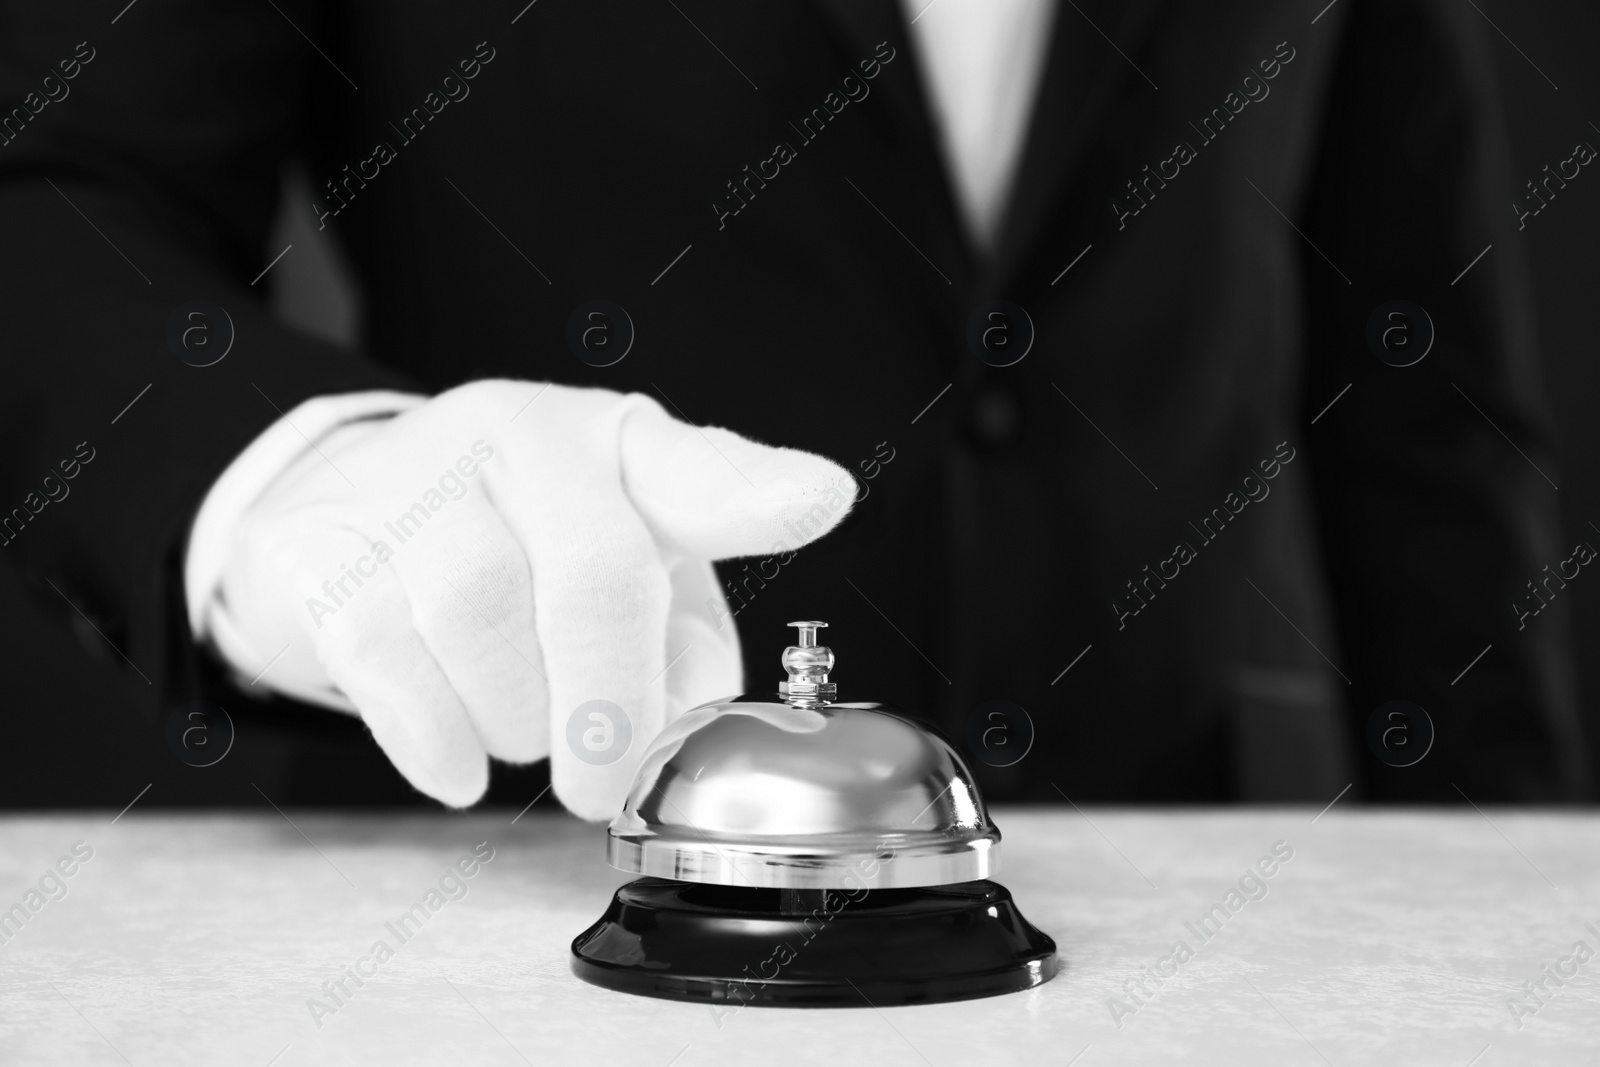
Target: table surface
[1389, 938]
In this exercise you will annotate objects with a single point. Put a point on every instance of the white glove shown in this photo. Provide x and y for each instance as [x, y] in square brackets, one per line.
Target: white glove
[467, 574]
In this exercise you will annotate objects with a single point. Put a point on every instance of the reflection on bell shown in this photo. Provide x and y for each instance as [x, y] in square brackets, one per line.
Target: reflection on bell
[799, 851]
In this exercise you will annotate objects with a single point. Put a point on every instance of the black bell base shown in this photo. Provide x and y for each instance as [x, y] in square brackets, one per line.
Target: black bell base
[723, 945]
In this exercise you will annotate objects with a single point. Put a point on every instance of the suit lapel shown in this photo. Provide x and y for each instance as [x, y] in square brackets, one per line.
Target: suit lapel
[858, 26]
[1084, 76]
[926, 194]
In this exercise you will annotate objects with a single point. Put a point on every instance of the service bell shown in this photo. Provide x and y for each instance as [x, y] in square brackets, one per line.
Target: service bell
[798, 850]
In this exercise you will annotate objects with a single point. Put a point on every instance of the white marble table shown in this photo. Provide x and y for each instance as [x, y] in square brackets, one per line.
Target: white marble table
[1389, 938]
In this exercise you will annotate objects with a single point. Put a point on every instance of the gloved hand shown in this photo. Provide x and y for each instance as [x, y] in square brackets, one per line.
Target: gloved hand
[469, 572]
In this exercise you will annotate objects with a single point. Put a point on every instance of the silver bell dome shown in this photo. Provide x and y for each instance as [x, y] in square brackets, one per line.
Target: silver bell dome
[798, 791]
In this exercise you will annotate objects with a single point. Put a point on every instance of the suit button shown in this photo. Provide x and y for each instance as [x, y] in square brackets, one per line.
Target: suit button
[995, 418]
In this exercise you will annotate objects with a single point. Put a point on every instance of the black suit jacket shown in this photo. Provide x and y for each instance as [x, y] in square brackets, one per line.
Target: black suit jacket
[1214, 200]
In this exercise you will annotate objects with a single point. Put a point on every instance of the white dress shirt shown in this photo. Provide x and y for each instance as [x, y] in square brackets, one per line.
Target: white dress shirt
[982, 60]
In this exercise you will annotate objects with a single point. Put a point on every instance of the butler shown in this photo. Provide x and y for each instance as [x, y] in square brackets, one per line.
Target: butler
[1168, 356]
